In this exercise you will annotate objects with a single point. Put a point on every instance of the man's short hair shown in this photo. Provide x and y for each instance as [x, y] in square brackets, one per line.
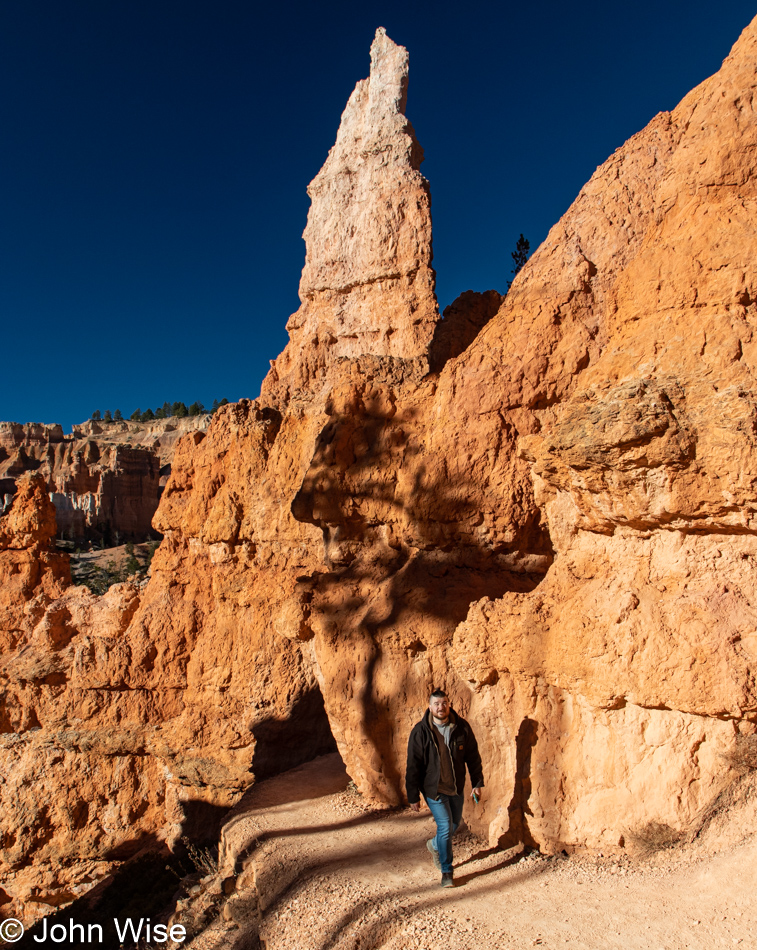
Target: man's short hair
[437, 694]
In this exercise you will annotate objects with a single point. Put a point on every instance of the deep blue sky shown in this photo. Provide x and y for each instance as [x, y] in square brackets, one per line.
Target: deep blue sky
[155, 155]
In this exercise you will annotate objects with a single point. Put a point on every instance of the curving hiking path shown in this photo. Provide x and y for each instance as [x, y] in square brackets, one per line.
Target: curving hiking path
[313, 868]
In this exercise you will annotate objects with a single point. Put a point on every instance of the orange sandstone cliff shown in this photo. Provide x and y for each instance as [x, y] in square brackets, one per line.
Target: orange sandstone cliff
[545, 504]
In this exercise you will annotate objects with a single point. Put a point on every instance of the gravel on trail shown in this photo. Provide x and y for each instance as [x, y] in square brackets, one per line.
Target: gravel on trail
[306, 864]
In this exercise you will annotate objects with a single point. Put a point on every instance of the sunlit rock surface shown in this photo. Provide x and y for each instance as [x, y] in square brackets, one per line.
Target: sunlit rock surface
[544, 504]
[367, 288]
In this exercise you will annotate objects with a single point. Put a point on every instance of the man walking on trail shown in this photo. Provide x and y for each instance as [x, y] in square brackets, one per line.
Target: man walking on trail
[439, 748]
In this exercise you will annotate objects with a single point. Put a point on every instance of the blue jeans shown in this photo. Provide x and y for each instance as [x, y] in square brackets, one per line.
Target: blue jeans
[448, 812]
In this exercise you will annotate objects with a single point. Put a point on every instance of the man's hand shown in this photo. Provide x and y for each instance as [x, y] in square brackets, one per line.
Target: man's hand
[416, 806]
[476, 794]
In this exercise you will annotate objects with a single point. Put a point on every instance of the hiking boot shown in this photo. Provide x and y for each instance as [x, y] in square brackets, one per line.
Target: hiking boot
[447, 880]
[434, 854]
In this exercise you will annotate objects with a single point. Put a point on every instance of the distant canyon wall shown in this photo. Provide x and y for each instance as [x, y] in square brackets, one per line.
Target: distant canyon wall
[104, 479]
[543, 503]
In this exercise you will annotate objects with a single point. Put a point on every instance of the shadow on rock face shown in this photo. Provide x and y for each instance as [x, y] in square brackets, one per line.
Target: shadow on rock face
[202, 821]
[406, 552]
[463, 320]
[144, 886]
[518, 810]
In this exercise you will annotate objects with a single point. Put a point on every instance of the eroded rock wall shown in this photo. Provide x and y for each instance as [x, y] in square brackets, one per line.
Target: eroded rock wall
[543, 504]
[137, 718]
[603, 417]
[639, 644]
[210, 678]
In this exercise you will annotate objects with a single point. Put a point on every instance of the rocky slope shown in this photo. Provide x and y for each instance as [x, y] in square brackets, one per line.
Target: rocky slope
[544, 504]
[104, 479]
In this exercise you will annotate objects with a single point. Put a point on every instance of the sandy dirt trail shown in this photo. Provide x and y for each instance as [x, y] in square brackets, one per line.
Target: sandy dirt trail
[316, 869]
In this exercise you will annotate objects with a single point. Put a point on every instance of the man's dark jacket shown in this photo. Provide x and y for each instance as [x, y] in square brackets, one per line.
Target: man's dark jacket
[423, 764]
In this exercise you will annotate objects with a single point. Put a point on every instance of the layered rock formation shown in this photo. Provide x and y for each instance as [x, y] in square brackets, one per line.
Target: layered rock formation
[20, 446]
[159, 435]
[104, 479]
[634, 658]
[29, 567]
[544, 504]
[367, 288]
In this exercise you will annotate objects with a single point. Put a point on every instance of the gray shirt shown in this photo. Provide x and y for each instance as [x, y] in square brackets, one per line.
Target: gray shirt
[447, 784]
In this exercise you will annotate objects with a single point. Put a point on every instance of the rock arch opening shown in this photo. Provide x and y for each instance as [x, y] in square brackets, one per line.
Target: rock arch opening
[281, 743]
